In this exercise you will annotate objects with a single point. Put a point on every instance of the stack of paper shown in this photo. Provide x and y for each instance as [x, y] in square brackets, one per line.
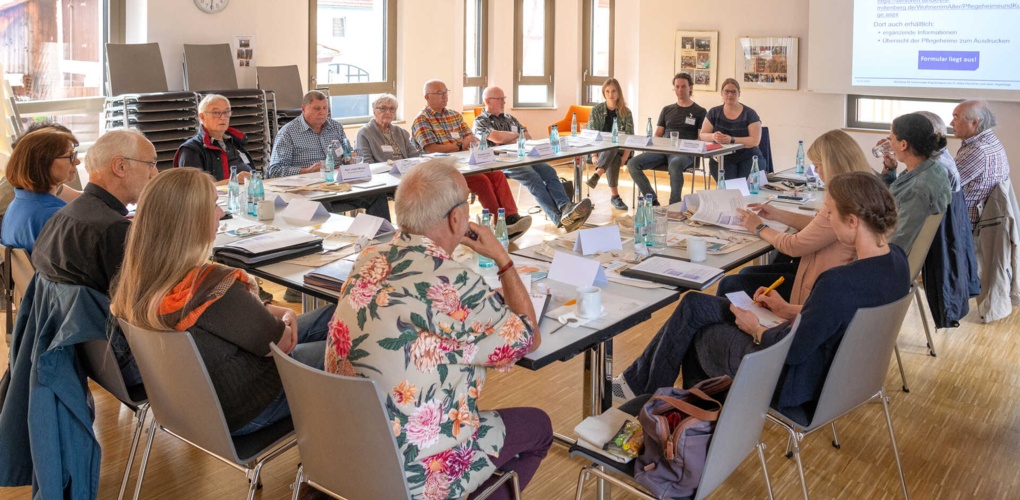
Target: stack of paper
[331, 276]
[268, 247]
[676, 272]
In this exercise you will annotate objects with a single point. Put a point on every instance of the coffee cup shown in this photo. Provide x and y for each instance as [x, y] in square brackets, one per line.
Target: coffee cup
[267, 210]
[589, 302]
[697, 249]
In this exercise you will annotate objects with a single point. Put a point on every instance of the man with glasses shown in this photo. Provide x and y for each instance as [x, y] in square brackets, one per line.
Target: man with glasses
[540, 179]
[217, 146]
[438, 129]
[684, 117]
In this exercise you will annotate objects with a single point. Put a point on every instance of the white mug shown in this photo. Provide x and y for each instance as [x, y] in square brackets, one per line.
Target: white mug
[697, 249]
[267, 210]
[589, 302]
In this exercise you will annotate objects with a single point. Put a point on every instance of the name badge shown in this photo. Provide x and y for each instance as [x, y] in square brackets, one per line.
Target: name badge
[456, 135]
[387, 148]
[355, 173]
[690, 120]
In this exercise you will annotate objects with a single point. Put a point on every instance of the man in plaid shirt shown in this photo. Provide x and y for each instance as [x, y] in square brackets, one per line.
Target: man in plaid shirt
[981, 159]
[437, 129]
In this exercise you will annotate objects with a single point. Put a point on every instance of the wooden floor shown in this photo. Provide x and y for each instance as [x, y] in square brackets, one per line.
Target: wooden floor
[958, 429]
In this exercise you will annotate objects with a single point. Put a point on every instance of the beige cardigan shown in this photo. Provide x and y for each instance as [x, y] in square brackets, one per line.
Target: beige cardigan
[818, 249]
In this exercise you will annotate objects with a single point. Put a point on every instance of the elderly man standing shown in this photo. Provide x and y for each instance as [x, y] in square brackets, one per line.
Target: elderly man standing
[981, 159]
[425, 328]
[301, 145]
[437, 129]
[540, 179]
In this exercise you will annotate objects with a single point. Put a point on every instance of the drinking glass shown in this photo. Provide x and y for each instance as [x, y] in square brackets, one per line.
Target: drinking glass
[883, 148]
[674, 139]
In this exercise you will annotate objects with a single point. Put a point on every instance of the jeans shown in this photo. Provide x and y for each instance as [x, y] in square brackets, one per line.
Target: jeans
[311, 350]
[676, 164]
[739, 169]
[543, 183]
[752, 277]
[529, 435]
[610, 160]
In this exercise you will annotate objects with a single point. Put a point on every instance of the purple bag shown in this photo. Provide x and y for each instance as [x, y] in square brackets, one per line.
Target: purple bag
[678, 425]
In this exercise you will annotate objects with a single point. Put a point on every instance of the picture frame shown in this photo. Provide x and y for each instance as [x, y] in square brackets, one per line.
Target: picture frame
[697, 54]
[767, 62]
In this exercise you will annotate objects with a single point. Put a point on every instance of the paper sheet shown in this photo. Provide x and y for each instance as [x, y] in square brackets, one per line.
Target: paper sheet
[766, 317]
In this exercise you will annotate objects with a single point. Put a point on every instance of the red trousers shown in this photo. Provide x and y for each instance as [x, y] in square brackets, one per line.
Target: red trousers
[493, 191]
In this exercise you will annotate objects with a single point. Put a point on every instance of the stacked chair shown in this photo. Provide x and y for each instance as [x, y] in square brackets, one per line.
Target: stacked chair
[284, 92]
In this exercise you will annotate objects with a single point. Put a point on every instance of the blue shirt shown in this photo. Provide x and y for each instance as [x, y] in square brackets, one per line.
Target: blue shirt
[735, 128]
[298, 146]
[26, 217]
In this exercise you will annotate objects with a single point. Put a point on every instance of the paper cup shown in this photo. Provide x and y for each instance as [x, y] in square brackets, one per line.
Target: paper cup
[267, 210]
[697, 249]
[589, 302]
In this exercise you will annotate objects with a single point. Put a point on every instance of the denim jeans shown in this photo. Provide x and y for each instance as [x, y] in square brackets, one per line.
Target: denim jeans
[675, 164]
[542, 181]
[736, 169]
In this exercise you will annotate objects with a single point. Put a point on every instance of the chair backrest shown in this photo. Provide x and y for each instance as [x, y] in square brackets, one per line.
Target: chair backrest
[922, 243]
[209, 67]
[765, 145]
[22, 271]
[284, 81]
[343, 432]
[743, 415]
[181, 395]
[583, 113]
[101, 365]
[135, 68]
[862, 360]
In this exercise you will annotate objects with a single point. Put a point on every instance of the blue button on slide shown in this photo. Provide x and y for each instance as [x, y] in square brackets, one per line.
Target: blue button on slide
[952, 60]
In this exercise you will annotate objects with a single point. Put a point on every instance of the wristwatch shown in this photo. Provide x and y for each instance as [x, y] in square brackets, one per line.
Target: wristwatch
[732, 140]
[758, 229]
[460, 146]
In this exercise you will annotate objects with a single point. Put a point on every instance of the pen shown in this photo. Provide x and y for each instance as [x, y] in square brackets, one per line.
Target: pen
[778, 282]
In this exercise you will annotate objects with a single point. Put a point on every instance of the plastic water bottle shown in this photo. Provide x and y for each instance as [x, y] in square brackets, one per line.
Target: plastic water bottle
[329, 170]
[648, 128]
[484, 261]
[649, 221]
[554, 139]
[720, 183]
[616, 132]
[640, 226]
[800, 157]
[754, 180]
[520, 142]
[573, 125]
[233, 191]
[501, 234]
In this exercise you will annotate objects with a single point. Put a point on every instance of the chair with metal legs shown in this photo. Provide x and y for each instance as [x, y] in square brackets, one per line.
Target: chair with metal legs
[737, 432]
[915, 258]
[856, 377]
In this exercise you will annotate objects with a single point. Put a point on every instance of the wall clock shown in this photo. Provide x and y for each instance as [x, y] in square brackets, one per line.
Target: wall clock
[211, 6]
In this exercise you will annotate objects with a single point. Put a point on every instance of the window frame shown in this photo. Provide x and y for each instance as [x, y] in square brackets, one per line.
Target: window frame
[587, 57]
[389, 86]
[482, 46]
[852, 104]
[548, 79]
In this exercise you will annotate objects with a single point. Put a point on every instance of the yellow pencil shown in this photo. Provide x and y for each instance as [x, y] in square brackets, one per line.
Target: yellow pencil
[773, 287]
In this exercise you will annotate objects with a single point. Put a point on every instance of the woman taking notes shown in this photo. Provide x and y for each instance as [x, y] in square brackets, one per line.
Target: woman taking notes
[601, 118]
[707, 336]
[733, 123]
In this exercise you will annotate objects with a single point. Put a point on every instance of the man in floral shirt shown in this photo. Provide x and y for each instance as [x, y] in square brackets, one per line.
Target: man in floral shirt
[425, 328]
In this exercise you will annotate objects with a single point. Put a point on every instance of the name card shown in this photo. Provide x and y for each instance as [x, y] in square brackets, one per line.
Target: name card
[369, 226]
[302, 212]
[739, 184]
[576, 271]
[401, 167]
[690, 145]
[480, 156]
[638, 140]
[598, 239]
[355, 173]
[590, 134]
[541, 150]
[278, 201]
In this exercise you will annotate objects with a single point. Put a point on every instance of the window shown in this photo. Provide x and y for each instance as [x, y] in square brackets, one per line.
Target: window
[53, 58]
[533, 53]
[353, 53]
[877, 113]
[597, 51]
[476, 46]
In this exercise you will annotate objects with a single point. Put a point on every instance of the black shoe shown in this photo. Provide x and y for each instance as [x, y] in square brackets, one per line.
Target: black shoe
[512, 219]
[292, 295]
[265, 296]
[655, 202]
[518, 227]
[593, 180]
[618, 203]
[574, 216]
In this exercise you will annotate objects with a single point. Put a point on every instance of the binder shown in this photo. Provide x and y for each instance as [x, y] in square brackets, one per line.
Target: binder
[674, 271]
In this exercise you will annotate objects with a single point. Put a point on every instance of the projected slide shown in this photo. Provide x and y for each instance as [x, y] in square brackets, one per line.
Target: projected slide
[972, 44]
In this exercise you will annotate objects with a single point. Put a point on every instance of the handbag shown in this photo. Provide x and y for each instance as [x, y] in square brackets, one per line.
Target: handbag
[568, 187]
[678, 426]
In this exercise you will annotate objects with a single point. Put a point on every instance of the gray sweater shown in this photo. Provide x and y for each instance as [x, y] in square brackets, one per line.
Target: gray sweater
[371, 143]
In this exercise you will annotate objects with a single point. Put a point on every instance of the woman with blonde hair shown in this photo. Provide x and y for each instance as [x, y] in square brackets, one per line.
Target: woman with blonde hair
[815, 243]
[601, 118]
[218, 305]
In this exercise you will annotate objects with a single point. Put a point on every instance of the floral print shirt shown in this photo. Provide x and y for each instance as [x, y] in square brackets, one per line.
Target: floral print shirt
[425, 328]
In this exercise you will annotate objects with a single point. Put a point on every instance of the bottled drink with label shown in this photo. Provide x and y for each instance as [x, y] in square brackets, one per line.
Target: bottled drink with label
[648, 128]
[484, 261]
[640, 224]
[800, 157]
[348, 151]
[649, 221]
[260, 189]
[720, 182]
[554, 138]
[483, 141]
[501, 234]
[616, 132]
[233, 191]
[573, 125]
[754, 180]
[520, 142]
[329, 169]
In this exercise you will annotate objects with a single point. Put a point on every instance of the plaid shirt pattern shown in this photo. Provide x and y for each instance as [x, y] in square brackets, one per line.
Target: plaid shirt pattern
[298, 146]
[503, 122]
[437, 127]
[983, 165]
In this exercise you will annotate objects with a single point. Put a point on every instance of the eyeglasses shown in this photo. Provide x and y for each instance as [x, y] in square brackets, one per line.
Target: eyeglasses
[731, 92]
[440, 94]
[149, 163]
[450, 211]
[219, 114]
[497, 98]
[385, 109]
[73, 157]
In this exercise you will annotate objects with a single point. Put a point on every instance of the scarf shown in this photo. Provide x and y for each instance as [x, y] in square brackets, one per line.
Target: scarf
[200, 288]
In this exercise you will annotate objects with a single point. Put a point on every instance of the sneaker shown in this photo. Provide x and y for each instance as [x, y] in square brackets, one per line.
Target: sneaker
[593, 180]
[655, 202]
[618, 203]
[574, 216]
[265, 296]
[292, 295]
[621, 391]
[519, 226]
[510, 219]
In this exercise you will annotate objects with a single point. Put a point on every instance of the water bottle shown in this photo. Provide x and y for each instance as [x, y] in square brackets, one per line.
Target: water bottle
[721, 178]
[640, 226]
[754, 180]
[649, 221]
[329, 171]
[501, 228]
[484, 261]
[800, 157]
[348, 150]
[520, 142]
[554, 139]
[616, 132]
[483, 141]
[648, 128]
[233, 188]
[260, 190]
[573, 125]
[249, 188]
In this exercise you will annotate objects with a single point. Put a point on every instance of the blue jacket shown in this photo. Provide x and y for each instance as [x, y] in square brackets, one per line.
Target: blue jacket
[46, 436]
[950, 269]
